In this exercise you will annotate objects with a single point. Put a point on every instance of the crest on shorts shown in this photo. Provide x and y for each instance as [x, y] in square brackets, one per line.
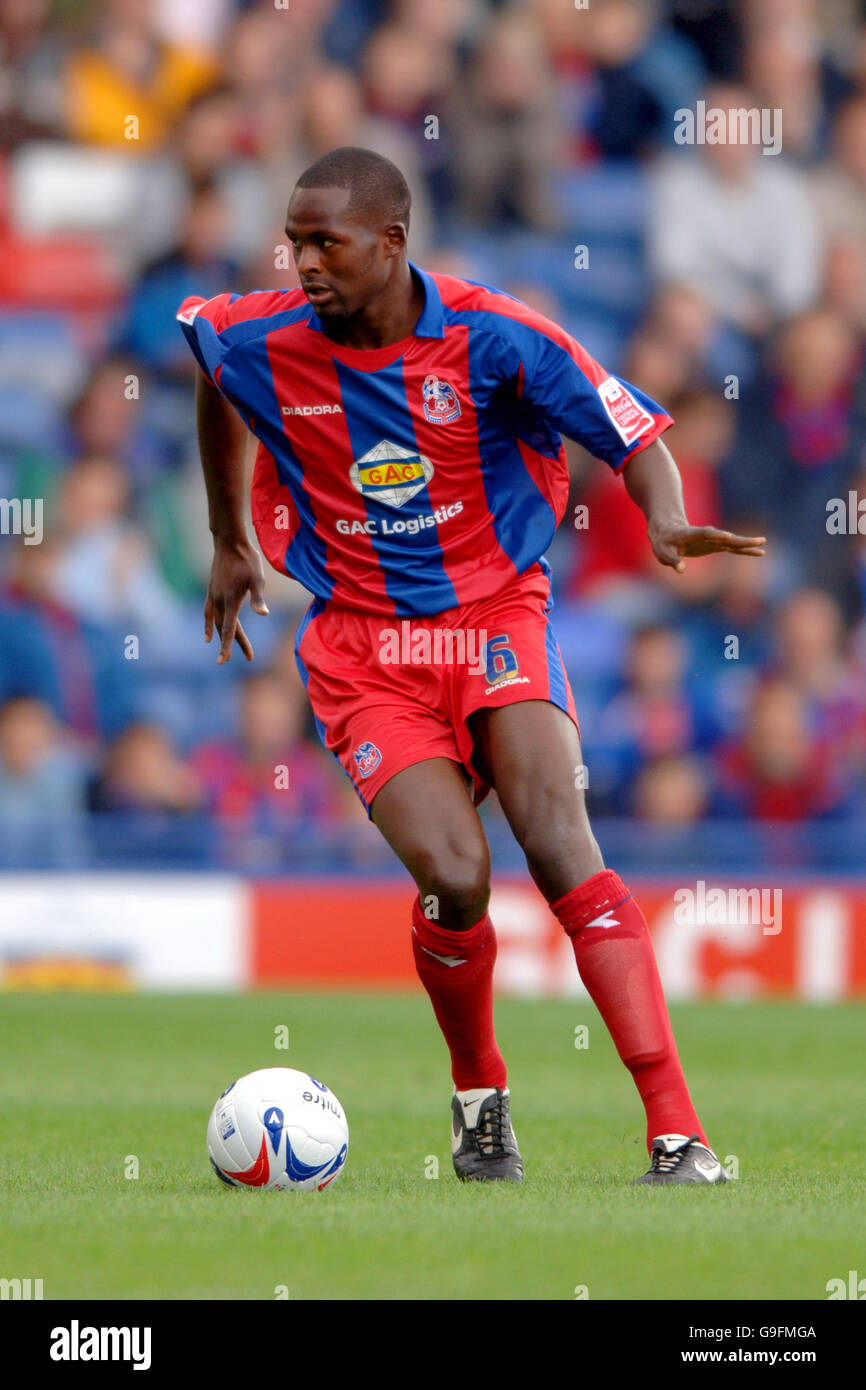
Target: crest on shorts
[391, 474]
[367, 757]
[441, 405]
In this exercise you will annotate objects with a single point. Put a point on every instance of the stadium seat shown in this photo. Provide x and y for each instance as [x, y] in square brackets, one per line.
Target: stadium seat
[45, 183]
[29, 417]
[607, 202]
[59, 272]
[40, 347]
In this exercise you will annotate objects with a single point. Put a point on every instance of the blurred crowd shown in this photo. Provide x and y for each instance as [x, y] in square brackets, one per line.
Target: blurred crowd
[147, 150]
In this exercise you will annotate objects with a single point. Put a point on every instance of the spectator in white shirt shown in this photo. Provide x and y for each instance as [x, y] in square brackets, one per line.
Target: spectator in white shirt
[735, 223]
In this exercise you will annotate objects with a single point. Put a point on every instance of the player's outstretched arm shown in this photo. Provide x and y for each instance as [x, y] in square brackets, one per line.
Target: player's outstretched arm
[653, 481]
[237, 567]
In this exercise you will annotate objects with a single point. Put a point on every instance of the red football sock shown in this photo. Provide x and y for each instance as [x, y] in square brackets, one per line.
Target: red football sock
[616, 961]
[461, 995]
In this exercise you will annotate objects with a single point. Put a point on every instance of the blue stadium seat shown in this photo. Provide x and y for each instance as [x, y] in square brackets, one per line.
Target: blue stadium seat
[29, 418]
[40, 348]
[606, 203]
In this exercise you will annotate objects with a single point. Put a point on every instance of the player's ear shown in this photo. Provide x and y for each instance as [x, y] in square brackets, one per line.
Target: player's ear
[395, 238]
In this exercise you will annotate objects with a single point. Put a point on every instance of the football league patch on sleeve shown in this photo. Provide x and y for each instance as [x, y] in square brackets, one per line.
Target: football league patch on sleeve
[189, 308]
[628, 418]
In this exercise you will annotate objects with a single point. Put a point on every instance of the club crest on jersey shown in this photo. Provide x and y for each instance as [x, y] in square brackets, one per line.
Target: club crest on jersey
[441, 405]
[391, 474]
[367, 758]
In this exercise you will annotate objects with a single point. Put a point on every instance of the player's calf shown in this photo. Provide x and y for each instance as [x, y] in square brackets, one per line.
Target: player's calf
[426, 815]
[615, 959]
[456, 969]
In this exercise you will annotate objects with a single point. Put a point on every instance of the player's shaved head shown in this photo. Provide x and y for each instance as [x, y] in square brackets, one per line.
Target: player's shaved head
[377, 190]
[347, 223]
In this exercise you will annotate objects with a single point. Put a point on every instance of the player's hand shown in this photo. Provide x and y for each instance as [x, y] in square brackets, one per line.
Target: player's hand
[236, 570]
[672, 543]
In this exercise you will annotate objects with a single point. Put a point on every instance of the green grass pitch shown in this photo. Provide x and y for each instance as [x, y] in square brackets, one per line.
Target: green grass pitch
[89, 1080]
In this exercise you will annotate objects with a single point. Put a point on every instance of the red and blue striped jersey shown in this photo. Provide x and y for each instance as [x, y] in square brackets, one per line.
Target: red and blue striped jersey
[422, 476]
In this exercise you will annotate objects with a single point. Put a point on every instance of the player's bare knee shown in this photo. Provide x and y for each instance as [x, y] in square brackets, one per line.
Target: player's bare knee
[455, 887]
[462, 896]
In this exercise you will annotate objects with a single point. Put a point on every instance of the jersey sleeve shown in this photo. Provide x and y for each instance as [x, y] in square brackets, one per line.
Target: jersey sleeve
[609, 417]
[203, 321]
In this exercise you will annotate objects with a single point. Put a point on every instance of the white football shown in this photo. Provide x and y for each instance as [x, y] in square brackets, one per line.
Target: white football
[280, 1129]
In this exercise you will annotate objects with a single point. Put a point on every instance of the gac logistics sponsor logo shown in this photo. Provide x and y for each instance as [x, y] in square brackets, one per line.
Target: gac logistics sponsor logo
[391, 474]
[410, 527]
[628, 418]
[441, 406]
[325, 408]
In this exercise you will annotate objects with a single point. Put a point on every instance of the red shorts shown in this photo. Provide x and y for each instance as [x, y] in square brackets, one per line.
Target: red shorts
[390, 692]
